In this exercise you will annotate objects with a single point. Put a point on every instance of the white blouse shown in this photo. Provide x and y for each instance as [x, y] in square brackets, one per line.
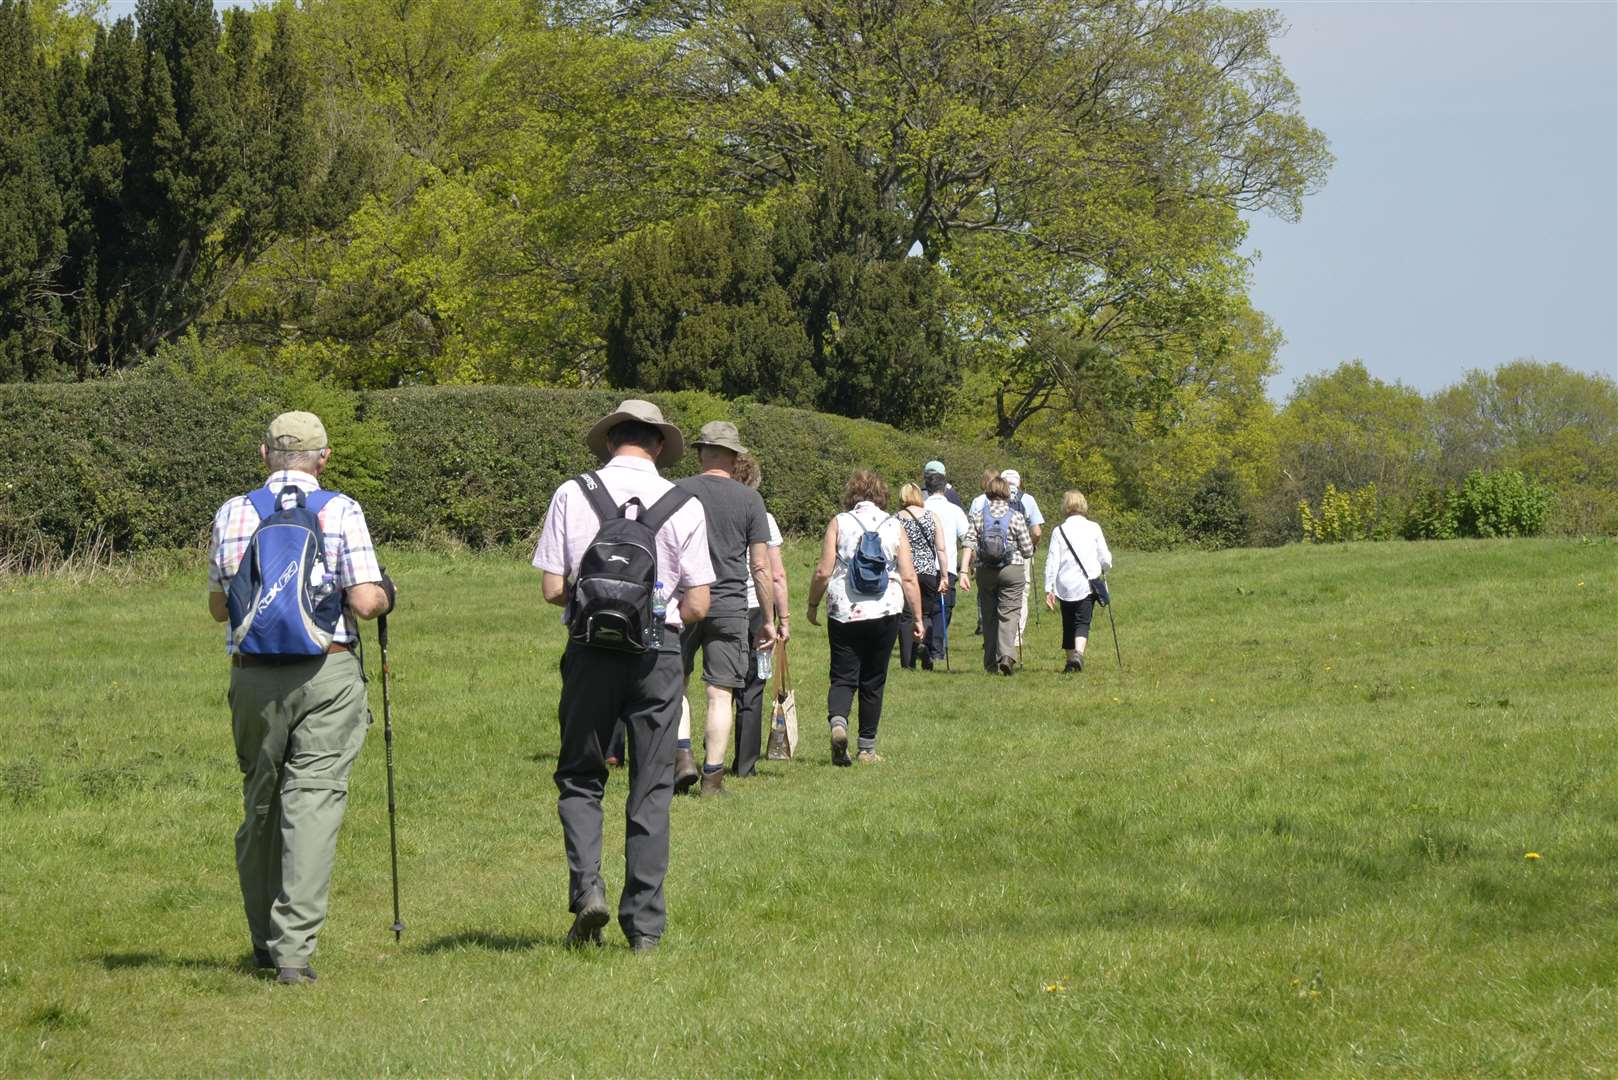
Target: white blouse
[1067, 577]
[851, 525]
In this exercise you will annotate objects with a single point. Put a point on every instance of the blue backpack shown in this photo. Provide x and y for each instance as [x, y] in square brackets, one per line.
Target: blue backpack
[868, 569]
[284, 599]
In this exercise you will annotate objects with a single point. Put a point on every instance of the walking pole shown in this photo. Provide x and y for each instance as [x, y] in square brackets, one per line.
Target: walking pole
[943, 621]
[1114, 623]
[387, 742]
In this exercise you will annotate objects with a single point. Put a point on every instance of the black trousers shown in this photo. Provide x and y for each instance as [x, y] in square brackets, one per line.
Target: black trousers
[1076, 620]
[749, 734]
[860, 652]
[600, 688]
[909, 649]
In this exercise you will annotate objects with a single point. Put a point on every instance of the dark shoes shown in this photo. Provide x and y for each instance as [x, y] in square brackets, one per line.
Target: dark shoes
[685, 771]
[713, 784]
[587, 923]
[294, 976]
[1074, 665]
[839, 745]
[1008, 666]
[643, 946]
[262, 958]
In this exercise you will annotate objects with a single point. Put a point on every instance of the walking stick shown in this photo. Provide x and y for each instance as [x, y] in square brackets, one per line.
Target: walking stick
[943, 620]
[387, 742]
[1114, 624]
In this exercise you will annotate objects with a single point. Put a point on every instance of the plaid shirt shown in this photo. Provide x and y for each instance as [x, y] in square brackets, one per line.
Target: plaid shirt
[348, 542]
[1022, 541]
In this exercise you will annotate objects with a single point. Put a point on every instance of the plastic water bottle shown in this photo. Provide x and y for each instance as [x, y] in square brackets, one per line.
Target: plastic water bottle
[766, 664]
[660, 608]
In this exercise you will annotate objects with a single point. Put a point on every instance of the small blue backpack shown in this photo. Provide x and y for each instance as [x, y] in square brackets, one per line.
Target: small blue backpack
[284, 599]
[868, 569]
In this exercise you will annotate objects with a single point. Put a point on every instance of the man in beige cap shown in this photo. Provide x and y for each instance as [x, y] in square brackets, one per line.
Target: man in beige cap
[641, 687]
[738, 538]
[299, 719]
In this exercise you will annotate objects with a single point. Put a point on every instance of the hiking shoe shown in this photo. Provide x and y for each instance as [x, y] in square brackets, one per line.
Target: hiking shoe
[1074, 665]
[262, 958]
[839, 745]
[1007, 666]
[644, 945]
[713, 784]
[293, 976]
[868, 757]
[685, 771]
[588, 921]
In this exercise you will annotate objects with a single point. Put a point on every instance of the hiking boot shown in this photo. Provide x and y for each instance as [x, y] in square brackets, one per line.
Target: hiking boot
[685, 771]
[262, 958]
[1074, 665]
[588, 921]
[293, 976]
[1008, 666]
[839, 745]
[713, 784]
[868, 757]
[644, 945]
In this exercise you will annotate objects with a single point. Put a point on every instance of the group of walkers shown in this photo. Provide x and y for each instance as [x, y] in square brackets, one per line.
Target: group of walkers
[648, 572]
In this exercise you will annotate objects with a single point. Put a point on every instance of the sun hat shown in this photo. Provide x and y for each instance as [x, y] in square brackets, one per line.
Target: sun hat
[720, 433]
[934, 466]
[295, 431]
[1012, 477]
[646, 413]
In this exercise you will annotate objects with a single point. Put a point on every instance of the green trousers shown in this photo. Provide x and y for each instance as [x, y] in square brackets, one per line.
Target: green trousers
[299, 728]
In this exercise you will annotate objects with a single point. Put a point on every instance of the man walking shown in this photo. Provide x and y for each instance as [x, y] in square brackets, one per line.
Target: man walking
[1024, 503]
[936, 468]
[601, 686]
[299, 718]
[953, 522]
[738, 536]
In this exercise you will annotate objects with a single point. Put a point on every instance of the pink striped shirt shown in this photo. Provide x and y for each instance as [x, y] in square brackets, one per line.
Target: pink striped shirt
[347, 539]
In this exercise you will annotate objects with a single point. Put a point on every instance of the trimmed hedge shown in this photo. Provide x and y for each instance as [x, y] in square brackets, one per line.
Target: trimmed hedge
[143, 462]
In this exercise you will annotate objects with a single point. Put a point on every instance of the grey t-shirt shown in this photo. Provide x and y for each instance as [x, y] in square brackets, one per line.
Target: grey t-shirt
[735, 519]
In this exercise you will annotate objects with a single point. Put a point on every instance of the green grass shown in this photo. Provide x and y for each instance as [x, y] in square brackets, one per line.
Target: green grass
[1288, 839]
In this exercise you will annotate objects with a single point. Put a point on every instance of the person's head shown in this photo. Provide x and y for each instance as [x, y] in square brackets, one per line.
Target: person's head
[1013, 480]
[636, 429]
[748, 471]
[934, 466]
[865, 486]
[635, 435]
[295, 441]
[1074, 502]
[989, 476]
[933, 483]
[718, 445]
[909, 495]
[997, 488]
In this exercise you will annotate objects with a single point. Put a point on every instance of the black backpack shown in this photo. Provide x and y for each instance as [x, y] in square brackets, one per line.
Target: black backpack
[613, 594]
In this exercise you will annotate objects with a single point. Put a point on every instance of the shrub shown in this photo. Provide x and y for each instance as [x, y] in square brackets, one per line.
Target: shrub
[1431, 515]
[1501, 503]
[1343, 516]
[1215, 515]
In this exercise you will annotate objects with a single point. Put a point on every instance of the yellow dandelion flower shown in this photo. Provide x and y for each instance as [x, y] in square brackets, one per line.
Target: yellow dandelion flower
[1532, 856]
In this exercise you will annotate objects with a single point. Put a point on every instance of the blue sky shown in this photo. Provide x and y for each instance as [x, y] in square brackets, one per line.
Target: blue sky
[1472, 215]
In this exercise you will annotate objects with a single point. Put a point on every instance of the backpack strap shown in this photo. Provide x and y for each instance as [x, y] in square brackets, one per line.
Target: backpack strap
[596, 492]
[657, 515]
[263, 501]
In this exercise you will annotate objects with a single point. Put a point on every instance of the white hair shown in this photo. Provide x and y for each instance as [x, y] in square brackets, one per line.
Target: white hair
[296, 460]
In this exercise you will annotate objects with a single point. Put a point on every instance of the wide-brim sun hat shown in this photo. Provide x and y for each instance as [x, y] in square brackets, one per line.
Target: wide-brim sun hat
[646, 413]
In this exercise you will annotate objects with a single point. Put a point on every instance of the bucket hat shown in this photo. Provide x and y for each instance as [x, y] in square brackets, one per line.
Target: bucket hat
[720, 433]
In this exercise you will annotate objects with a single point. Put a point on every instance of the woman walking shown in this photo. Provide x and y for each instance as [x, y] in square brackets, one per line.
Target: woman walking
[926, 539]
[1078, 553]
[866, 575]
[999, 545]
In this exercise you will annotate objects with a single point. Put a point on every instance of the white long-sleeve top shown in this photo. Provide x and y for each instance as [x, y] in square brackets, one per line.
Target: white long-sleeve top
[1067, 577]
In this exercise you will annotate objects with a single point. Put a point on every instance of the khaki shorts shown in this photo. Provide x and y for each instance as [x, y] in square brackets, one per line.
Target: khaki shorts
[725, 649]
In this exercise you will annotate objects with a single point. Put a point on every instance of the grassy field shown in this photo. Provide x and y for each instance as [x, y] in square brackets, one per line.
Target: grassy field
[1291, 837]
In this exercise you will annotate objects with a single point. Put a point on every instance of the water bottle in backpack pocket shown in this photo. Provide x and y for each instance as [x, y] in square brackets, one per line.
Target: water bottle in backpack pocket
[868, 568]
[284, 599]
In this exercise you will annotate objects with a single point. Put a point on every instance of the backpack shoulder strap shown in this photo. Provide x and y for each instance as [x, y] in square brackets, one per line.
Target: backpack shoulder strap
[318, 499]
[263, 500]
[668, 504]
[596, 492]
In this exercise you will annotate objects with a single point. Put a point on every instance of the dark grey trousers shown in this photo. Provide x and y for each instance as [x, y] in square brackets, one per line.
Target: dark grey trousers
[599, 688]
[749, 734]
